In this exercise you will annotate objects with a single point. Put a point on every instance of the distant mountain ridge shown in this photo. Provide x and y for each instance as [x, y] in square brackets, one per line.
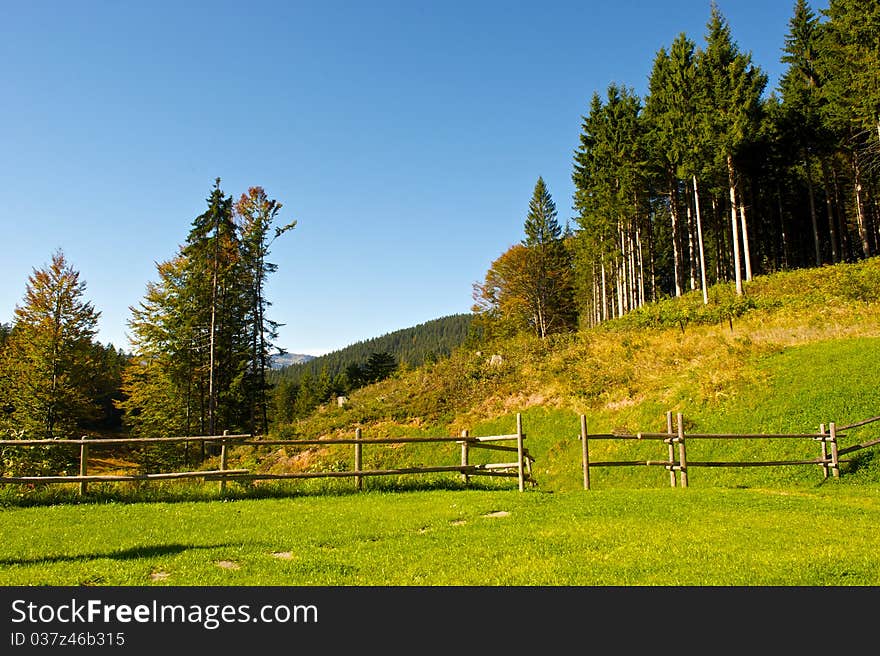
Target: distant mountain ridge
[414, 346]
[287, 359]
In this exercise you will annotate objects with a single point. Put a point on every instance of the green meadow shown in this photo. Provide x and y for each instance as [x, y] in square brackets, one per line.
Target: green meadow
[825, 536]
[801, 353]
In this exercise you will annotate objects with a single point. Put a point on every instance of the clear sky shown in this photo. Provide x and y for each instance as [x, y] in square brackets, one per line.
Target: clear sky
[405, 137]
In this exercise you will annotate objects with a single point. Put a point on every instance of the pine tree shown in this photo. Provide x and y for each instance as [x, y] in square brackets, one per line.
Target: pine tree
[669, 115]
[730, 112]
[549, 266]
[48, 368]
[214, 274]
[530, 285]
[801, 105]
[848, 63]
[163, 384]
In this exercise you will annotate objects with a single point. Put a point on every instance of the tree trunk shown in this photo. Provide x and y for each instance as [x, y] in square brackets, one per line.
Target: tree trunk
[747, 255]
[783, 236]
[700, 243]
[860, 207]
[846, 245]
[731, 179]
[747, 251]
[811, 194]
[673, 206]
[829, 209]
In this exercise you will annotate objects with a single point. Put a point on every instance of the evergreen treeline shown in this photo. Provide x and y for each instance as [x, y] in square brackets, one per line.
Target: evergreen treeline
[409, 346]
[709, 178]
[300, 388]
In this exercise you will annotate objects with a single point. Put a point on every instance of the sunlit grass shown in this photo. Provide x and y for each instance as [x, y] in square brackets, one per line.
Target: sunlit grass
[822, 537]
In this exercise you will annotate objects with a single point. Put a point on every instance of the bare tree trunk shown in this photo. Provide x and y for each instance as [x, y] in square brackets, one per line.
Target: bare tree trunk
[734, 226]
[747, 251]
[700, 243]
[720, 246]
[846, 244]
[812, 196]
[860, 207]
[783, 235]
[747, 255]
[673, 206]
[691, 258]
[829, 209]
[641, 263]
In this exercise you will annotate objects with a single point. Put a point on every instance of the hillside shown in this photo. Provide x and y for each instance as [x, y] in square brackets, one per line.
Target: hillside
[799, 349]
[412, 346]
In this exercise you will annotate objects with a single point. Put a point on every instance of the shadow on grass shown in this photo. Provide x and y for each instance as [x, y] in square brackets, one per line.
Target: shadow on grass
[133, 553]
[47, 496]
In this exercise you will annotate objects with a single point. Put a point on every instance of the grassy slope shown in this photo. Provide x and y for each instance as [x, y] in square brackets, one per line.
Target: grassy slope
[798, 351]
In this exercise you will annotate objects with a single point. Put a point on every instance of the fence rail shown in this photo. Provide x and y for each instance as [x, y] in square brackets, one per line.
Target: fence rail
[678, 464]
[519, 469]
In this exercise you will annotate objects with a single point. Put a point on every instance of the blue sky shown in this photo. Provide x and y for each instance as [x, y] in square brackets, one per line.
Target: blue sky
[405, 138]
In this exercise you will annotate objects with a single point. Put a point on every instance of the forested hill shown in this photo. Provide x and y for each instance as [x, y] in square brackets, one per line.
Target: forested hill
[411, 346]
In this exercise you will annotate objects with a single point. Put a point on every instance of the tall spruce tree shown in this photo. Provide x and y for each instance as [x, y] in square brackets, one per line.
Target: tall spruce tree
[801, 106]
[548, 266]
[730, 113]
[848, 63]
[214, 272]
[529, 287]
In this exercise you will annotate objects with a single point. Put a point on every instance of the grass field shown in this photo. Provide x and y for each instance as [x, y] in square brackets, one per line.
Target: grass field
[665, 537]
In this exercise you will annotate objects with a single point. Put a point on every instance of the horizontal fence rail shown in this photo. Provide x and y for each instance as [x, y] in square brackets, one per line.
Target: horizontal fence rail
[520, 468]
[677, 463]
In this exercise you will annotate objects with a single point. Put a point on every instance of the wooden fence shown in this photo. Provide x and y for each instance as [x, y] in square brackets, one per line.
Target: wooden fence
[677, 463]
[520, 468]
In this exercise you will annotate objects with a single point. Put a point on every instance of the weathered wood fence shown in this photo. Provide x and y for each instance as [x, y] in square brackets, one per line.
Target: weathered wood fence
[520, 468]
[677, 463]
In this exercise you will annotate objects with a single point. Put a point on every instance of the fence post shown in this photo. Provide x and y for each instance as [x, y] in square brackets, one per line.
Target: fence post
[824, 452]
[358, 455]
[669, 441]
[83, 466]
[835, 463]
[519, 452]
[586, 452]
[464, 456]
[682, 458]
[223, 461]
